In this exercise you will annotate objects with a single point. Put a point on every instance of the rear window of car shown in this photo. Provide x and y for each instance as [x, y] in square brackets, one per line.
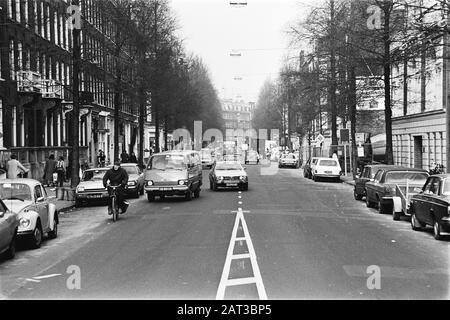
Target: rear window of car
[328, 163]
[402, 176]
[288, 156]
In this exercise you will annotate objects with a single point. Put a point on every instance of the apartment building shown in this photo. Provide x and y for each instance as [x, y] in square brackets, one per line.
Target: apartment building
[36, 81]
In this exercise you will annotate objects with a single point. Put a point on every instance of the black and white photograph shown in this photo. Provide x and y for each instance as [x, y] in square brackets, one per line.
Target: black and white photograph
[223, 155]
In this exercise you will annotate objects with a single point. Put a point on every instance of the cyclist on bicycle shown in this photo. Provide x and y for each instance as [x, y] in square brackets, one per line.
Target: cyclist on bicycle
[117, 176]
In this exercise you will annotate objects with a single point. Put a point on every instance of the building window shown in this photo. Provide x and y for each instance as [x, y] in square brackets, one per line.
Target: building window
[10, 9]
[17, 10]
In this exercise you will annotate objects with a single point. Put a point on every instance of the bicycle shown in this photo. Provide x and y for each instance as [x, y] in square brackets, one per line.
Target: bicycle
[114, 205]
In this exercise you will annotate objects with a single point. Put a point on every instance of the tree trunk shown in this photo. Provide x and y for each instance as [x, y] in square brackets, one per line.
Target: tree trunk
[387, 83]
[332, 85]
[75, 165]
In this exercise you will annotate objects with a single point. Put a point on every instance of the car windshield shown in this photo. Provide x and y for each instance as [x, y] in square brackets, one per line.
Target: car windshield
[167, 162]
[402, 176]
[131, 170]
[15, 191]
[93, 175]
[446, 187]
[328, 163]
[228, 166]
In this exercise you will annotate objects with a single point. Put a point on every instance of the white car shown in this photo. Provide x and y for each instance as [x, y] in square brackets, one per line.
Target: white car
[37, 216]
[91, 187]
[326, 168]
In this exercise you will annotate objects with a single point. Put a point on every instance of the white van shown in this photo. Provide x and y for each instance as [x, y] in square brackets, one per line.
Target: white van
[173, 173]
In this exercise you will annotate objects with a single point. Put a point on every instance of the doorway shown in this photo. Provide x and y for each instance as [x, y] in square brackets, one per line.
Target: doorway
[418, 152]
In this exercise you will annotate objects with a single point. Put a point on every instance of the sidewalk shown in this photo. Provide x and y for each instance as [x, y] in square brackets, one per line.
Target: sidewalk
[61, 205]
[348, 179]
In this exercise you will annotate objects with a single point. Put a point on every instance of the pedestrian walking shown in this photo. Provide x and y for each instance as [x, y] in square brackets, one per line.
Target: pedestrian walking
[101, 159]
[14, 168]
[60, 170]
[49, 169]
[133, 158]
[124, 157]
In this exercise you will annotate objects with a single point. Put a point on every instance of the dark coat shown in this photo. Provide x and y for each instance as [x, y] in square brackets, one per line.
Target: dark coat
[115, 177]
[49, 169]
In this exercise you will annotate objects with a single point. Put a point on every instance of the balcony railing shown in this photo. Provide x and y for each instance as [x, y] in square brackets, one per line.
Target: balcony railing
[28, 81]
[51, 89]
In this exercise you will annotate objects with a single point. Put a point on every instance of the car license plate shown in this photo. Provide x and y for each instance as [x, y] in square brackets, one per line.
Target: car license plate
[165, 189]
[231, 184]
[328, 172]
[94, 196]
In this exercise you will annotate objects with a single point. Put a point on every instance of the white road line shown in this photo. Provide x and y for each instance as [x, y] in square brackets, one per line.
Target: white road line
[251, 251]
[47, 276]
[257, 279]
[32, 280]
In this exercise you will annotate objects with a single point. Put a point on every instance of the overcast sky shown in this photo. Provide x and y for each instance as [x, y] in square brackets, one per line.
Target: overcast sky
[213, 28]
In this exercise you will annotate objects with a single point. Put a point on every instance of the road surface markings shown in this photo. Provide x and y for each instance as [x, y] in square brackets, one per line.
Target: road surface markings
[47, 276]
[39, 278]
[256, 279]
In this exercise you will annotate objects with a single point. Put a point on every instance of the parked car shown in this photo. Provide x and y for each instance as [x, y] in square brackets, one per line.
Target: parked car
[174, 173]
[288, 160]
[37, 216]
[307, 168]
[252, 156]
[228, 174]
[136, 179]
[207, 156]
[380, 191]
[368, 174]
[328, 168]
[9, 224]
[431, 206]
[91, 187]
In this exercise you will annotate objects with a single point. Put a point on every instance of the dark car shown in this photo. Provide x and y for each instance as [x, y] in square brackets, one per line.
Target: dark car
[381, 190]
[307, 168]
[367, 175]
[228, 174]
[431, 206]
[136, 182]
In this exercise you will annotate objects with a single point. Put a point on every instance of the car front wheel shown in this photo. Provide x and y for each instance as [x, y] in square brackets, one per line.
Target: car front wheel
[36, 237]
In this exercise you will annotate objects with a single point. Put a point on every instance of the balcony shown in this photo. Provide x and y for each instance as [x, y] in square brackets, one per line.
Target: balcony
[29, 82]
[51, 89]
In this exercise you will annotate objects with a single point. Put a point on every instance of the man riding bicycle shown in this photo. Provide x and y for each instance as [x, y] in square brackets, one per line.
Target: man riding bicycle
[117, 176]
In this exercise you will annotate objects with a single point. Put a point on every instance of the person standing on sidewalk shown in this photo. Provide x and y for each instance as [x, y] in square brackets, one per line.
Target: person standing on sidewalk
[14, 167]
[60, 170]
[124, 157]
[49, 169]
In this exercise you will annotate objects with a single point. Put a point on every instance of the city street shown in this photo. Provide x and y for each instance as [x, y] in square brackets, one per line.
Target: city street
[287, 237]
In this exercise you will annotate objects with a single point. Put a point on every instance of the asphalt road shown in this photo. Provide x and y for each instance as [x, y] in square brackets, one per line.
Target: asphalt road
[285, 238]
